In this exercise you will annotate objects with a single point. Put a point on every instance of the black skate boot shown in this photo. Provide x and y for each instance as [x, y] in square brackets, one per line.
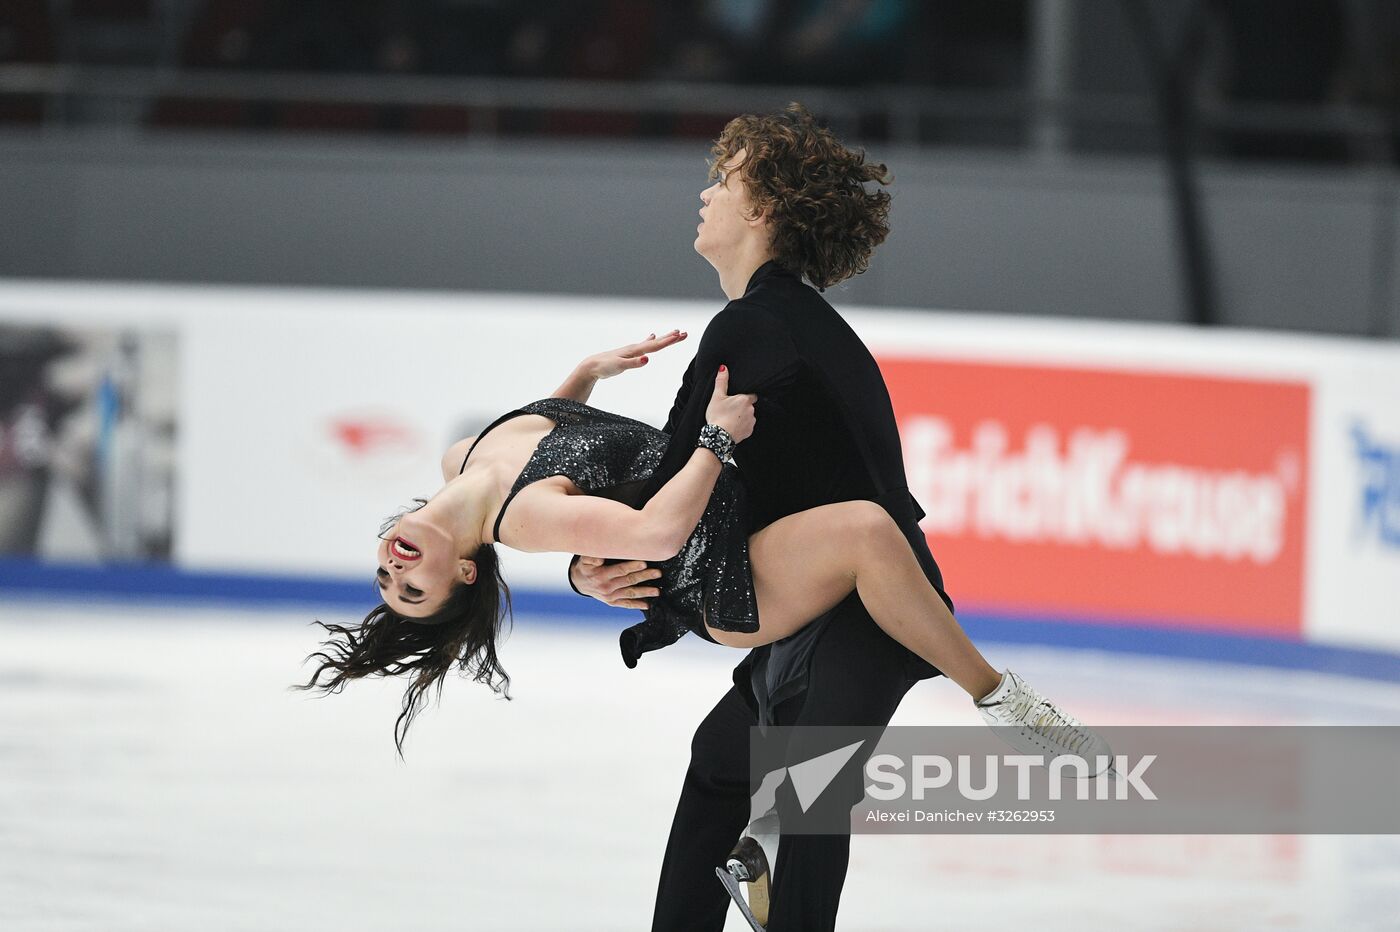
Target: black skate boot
[750, 864]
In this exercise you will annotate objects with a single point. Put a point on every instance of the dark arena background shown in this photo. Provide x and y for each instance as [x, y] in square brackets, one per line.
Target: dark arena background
[263, 261]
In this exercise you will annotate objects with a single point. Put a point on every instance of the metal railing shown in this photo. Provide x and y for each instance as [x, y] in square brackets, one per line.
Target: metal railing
[68, 91]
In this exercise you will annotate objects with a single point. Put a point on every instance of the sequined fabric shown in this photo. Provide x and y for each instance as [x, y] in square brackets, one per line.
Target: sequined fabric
[611, 456]
[600, 452]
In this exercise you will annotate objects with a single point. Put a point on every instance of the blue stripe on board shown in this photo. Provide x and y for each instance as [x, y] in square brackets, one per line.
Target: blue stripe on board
[1194, 644]
[151, 582]
[154, 581]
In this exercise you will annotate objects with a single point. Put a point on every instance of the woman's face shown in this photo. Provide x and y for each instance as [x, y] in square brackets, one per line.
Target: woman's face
[418, 567]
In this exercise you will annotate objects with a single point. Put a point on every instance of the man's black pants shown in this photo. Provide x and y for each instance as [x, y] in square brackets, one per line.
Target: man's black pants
[857, 676]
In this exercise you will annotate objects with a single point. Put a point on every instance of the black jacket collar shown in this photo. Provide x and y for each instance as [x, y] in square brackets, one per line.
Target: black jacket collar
[767, 270]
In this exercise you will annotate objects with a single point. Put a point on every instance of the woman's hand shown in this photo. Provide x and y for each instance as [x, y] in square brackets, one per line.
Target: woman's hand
[732, 412]
[609, 363]
[605, 365]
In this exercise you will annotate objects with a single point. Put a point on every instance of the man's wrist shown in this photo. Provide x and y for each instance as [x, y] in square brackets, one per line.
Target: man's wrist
[570, 576]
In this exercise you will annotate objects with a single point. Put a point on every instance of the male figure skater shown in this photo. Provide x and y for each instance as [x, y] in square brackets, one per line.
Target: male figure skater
[788, 202]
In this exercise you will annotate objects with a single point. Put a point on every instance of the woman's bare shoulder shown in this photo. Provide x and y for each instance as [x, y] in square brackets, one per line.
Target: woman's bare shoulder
[454, 457]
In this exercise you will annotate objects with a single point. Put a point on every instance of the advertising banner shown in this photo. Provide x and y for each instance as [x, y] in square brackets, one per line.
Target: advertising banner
[1355, 591]
[1101, 494]
[87, 443]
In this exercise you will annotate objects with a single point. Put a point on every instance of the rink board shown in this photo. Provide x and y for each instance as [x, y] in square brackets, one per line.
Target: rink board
[1133, 478]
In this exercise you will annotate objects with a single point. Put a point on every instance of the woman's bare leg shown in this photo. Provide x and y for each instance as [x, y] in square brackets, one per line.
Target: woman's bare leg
[806, 563]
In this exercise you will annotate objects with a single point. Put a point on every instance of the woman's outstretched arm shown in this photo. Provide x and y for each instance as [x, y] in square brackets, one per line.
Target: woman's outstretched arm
[547, 518]
[579, 385]
[760, 352]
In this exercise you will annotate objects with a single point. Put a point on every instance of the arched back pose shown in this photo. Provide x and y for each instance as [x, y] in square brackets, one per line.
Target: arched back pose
[787, 203]
[790, 210]
[556, 475]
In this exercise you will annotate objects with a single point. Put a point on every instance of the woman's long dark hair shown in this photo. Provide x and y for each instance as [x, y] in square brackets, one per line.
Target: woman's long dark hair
[463, 631]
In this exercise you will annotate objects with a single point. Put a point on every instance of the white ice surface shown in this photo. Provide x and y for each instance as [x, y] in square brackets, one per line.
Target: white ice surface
[155, 774]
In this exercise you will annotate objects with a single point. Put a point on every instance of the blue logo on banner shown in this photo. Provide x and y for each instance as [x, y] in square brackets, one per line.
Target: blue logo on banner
[1380, 486]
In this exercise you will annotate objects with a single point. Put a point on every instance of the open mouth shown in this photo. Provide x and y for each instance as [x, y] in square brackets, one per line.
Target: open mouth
[404, 550]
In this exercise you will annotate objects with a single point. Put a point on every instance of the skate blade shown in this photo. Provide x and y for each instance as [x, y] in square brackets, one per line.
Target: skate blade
[731, 886]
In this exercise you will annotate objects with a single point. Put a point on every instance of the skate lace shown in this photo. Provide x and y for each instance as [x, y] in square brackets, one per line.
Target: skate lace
[1050, 723]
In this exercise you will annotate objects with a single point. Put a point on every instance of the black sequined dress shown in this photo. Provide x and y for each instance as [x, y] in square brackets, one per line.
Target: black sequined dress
[612, 456]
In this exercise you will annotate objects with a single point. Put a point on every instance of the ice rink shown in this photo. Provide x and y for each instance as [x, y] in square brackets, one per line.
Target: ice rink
[158, 775]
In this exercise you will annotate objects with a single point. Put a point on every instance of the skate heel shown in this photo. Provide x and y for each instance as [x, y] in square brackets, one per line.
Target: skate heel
[747, 874]
[749, 864]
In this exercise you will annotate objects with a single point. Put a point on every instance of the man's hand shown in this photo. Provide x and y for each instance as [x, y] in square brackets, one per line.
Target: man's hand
[615, 583]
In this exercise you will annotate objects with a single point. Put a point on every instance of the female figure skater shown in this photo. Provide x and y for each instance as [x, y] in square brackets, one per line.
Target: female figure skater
[556, 475]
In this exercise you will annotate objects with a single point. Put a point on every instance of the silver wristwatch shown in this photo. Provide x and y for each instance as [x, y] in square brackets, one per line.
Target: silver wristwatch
[717, 440]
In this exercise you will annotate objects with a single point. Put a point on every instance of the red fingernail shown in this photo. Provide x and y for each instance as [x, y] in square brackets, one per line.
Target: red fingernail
[721, 368]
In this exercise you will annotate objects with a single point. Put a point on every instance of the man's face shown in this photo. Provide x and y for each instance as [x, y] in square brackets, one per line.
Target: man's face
[727, 215]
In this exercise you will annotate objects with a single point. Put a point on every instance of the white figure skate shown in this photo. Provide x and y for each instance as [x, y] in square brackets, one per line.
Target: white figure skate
[1032, 724]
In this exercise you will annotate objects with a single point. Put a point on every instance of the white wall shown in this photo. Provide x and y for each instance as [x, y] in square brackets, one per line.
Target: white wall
[306, 415]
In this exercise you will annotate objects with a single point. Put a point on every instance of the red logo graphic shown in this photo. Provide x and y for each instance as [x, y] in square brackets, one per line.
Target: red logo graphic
[1095, 494]
[368, 436]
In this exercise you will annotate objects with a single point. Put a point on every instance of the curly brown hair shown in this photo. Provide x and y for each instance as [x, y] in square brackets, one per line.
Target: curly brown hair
[825, 224]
